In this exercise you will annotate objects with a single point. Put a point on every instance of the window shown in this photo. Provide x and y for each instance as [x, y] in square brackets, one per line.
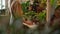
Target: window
[2, 7]
[2, 4]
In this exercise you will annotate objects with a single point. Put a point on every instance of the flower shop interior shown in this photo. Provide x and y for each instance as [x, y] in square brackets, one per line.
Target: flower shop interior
[30, 16]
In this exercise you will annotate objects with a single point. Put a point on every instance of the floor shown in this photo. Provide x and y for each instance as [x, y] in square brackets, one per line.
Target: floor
[18, 24]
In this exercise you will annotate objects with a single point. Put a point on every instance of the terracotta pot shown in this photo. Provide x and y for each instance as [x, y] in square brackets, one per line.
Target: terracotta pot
[29, 22]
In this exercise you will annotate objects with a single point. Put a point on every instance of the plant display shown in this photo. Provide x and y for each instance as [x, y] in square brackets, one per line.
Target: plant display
[35, 16]
[42, 15]
[29, 15]
[25, 5]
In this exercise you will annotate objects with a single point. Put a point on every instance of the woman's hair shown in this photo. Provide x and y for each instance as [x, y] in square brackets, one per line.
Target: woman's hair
[17, 9]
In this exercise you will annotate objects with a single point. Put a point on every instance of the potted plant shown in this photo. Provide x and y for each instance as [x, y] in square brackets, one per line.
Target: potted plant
[25, 5]
[42, 16]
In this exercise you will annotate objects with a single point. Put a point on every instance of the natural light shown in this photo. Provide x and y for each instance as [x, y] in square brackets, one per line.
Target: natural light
[2, 4]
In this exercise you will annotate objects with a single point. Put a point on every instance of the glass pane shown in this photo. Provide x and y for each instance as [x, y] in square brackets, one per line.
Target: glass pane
[2, 4]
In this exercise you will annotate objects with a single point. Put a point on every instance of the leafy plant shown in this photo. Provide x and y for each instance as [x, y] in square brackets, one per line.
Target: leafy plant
[41, 16]
[24, 6]
[30, 14]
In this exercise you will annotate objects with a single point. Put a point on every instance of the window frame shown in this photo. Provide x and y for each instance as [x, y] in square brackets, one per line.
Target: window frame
[4, 9]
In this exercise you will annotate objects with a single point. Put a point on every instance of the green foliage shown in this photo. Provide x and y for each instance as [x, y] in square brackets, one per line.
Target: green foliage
[24, 6]
[53, 2]
[30, 14]
[41, 16]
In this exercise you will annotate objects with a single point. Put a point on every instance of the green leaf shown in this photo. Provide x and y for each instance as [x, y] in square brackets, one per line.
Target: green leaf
[24, 6]
[53, 2]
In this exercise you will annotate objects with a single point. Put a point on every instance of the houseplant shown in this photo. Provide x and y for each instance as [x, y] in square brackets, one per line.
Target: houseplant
[42, 16]
[24, 6]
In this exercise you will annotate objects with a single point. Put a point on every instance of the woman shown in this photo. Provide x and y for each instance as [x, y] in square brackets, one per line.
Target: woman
[17, 14]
